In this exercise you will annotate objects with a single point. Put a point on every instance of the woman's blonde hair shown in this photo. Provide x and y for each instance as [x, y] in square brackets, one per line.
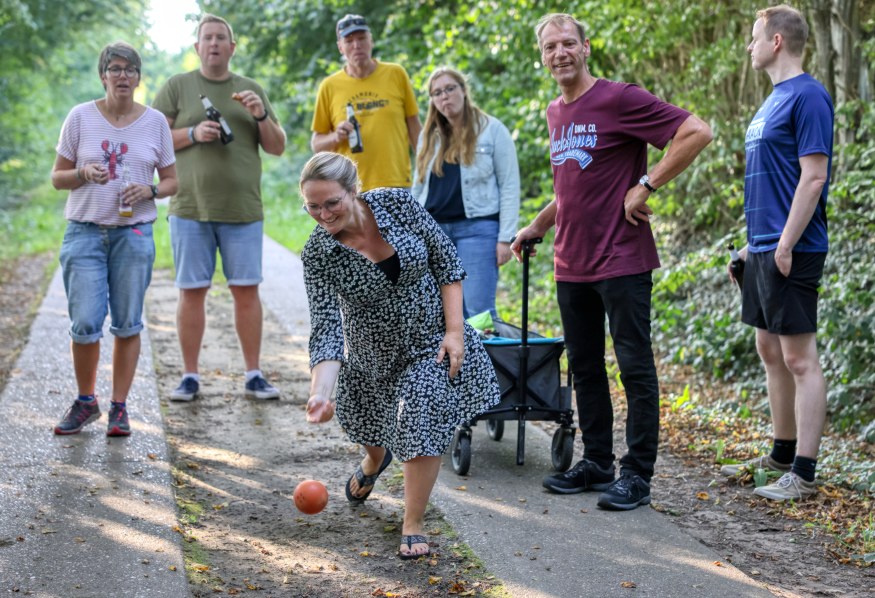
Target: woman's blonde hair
[438, 135]
[329, 166]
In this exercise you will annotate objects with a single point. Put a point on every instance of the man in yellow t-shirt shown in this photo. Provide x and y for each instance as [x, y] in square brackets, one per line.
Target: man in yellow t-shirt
[382, 98]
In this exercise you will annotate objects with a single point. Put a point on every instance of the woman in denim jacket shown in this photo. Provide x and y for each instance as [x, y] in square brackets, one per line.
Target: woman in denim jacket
[467, 177]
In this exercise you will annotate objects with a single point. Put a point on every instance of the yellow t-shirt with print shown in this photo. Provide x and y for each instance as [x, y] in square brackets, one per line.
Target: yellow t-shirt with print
[382, 102]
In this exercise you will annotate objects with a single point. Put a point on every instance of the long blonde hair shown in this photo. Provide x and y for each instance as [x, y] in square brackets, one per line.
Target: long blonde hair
[455, 147]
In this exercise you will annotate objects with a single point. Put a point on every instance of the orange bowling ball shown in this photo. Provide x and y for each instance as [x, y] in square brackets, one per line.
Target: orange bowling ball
[311, 497]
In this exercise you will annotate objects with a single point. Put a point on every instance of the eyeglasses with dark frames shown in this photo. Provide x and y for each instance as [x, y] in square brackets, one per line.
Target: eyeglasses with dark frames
[116, 71]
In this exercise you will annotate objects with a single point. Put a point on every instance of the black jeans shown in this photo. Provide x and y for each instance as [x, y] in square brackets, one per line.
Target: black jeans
[626, 301]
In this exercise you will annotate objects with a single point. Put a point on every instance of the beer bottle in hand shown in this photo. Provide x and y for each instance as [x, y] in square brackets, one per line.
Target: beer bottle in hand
[736, 265]
[214, 115]
[355, 137]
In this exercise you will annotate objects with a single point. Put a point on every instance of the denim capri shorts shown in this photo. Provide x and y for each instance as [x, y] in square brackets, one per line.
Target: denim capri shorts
[106, 269]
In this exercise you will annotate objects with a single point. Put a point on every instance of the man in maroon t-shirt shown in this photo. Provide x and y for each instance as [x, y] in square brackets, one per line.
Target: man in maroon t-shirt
[604, 251]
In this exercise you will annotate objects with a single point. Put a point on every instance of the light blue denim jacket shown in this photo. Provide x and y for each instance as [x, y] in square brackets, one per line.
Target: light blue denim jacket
[491, 184]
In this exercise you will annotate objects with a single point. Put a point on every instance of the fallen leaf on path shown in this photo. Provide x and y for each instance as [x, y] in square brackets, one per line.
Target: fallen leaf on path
[628, 584]
[718, 564]
[172, 567]
[462, 488]
[702, 495]
[432, 580]
[152, 455]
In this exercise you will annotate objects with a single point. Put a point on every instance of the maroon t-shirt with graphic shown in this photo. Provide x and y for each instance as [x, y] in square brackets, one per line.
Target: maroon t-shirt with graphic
[598, 149]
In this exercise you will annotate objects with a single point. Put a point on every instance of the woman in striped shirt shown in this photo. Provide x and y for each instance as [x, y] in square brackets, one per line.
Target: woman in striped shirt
[108, 152]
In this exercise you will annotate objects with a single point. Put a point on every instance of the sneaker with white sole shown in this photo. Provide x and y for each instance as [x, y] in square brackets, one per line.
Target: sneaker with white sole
[789, 487]
[765, 462]
[186, 391]
[259, 388]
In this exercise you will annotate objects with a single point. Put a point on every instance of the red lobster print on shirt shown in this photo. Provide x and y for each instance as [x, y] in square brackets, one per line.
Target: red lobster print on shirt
[113, 155]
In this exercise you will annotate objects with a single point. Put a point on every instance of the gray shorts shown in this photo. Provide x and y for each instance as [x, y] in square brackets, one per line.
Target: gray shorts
[194, 252]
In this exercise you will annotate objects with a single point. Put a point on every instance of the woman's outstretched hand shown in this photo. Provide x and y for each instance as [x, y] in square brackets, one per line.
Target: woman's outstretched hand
[319, 409]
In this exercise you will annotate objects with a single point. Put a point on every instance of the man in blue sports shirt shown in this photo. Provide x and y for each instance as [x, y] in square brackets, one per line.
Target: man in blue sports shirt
[788, 148]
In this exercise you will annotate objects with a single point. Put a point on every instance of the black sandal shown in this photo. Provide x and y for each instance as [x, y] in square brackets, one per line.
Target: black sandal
[410, 541]
[366, 480]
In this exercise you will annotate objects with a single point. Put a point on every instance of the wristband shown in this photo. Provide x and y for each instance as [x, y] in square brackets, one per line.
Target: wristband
[78, 176]
[191, 135]
[263, 117]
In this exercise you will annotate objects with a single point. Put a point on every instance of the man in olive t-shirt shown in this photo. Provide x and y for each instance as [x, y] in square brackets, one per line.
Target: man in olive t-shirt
[218, 206]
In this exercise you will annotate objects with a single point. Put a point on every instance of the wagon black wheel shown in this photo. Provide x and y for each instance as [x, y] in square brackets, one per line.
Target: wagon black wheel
[495, 429]
[563, 449]
[461, 452]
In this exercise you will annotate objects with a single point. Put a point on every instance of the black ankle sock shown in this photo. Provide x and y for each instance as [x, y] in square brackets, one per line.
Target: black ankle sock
[804, 467]
[86, 398]
[783, 451]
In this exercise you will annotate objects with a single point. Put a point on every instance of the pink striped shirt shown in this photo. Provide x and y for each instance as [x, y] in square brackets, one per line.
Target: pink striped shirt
[143, 146]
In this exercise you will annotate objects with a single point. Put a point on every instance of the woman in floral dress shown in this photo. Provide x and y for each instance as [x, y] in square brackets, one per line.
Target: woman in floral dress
[385, 292]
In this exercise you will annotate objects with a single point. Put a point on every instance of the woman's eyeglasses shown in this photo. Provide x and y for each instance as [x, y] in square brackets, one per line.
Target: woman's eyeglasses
[332, 205]
[446, 90]
[116, 71]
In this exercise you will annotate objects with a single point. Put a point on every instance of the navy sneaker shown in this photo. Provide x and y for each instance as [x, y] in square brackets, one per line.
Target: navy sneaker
[78, 416]
[585, 476]
[259, 388]
[118, 421]
[628, 492]
[186, 391]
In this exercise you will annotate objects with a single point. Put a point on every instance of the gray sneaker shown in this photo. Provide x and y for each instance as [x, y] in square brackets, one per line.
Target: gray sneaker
[77, 417]
[789, 487]
[765, 462]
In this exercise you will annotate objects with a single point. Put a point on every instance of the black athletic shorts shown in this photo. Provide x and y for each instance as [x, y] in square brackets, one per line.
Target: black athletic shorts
[781, 304]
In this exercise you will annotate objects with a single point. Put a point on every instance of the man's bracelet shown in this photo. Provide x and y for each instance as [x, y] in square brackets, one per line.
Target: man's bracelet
[78, 176]
[263, 117]
[191, 135]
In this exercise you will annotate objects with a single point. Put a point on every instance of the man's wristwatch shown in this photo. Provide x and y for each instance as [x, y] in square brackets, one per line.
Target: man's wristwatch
[262, 117]
[154, 191]
[645, 180]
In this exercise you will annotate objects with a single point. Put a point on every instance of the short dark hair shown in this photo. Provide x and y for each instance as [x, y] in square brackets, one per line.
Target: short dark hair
[118, 49]
[209, 18]
[558, 19]
[789, 22]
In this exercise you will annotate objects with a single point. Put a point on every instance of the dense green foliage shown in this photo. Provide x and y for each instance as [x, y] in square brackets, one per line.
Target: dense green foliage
[688, 52]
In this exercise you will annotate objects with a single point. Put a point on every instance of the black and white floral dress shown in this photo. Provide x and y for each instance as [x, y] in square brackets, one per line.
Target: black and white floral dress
[391, 392]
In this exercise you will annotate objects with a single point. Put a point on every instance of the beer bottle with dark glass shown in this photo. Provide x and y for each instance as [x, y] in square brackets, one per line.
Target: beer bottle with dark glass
[355, 137]
[225, 134]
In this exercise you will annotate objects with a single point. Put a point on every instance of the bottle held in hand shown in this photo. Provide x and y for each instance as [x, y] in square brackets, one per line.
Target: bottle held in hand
[125, 209]
[736, 265]
[355, 137]
[225, 134]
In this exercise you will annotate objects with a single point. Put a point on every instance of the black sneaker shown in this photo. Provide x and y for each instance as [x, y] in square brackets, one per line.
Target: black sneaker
[186, 391]
[628, 492]
[584, 476]
[118, 421]
[259, 388]
[78, 416]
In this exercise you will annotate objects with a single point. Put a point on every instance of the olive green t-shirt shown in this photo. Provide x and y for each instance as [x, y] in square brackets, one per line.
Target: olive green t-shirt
[217, 183]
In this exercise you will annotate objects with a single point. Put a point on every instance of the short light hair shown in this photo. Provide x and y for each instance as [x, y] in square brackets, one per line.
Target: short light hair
[118, 49]
[789, 22]
[208, 18]
[559, 19]
[330, 166]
